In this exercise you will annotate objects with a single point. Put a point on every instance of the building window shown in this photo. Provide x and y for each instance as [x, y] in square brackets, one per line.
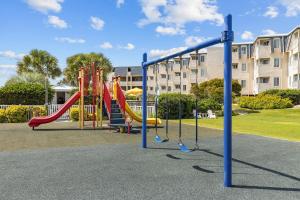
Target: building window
[202, 72]
[194, 71]
[177, 86]
[169, 77]
[276, 81]
[151, 88]
[184, 74]
[243, 83]
[264, 61]
[276, 43]
[184, 87]
[244, 50]
[295, 57]
[244, 67]
[202, 58]
[276, 62]
[177, 62]
[265, 42]
[234, 49]
[169, 88]
[262, 80]
[151, 77]
[137, 78]
[163, 87]
[295, 77]
[235, 66]
[163, 76]
[177, 73]
[185, 62]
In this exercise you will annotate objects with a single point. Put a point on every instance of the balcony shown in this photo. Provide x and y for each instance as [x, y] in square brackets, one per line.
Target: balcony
[262, 51]
[235, 56]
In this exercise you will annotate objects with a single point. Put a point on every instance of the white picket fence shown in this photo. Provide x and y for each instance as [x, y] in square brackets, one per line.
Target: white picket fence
[52, 108]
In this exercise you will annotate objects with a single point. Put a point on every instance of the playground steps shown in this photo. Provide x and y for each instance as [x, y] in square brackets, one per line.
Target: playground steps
[117, 119]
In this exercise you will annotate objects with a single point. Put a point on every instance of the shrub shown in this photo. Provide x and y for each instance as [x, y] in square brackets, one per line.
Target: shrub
[208, 104]
[74, 114]
[171, 101]
[38, 111]
[3, 118]
[16, 114]
[265, 101]
[292, 94]
[24, 93]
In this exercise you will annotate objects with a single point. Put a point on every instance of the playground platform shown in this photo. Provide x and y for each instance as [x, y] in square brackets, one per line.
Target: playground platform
[111, 168]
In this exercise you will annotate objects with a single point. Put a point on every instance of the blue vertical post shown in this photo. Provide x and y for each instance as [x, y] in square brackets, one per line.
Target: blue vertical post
[144, 102]
[228, 38]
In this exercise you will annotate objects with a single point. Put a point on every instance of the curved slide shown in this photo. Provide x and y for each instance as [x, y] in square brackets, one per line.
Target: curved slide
[36, 121]
[138, 118]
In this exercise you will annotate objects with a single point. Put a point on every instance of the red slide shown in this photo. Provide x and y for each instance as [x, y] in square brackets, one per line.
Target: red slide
[36, 121]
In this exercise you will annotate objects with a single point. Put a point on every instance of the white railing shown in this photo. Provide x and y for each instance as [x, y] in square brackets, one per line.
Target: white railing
[52, 108]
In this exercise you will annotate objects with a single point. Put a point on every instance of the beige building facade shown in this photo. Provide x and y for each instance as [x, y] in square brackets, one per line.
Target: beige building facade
[270, 62]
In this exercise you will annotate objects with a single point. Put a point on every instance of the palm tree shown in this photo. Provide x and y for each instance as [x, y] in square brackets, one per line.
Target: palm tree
[75, 62]
[41, 62]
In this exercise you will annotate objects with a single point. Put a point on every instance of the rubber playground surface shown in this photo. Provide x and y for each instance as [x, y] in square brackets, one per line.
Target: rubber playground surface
[61, 162]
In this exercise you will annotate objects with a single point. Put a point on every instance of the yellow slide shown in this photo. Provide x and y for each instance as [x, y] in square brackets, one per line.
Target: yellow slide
[139, 118]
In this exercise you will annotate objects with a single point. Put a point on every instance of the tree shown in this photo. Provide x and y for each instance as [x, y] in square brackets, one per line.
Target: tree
[27, 77]
[41, 62]
[214, 89]
[75, 62]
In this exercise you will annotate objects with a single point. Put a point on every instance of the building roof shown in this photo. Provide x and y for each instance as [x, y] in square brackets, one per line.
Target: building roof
[123, 70]
[63, 88]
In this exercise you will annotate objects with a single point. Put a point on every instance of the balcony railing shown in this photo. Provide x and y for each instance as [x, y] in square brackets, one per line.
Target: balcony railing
[262, 51]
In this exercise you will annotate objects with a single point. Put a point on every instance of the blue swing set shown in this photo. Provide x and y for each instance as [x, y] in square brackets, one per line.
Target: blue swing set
[226, 38]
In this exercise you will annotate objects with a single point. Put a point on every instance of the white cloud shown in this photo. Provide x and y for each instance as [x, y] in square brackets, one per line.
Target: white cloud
[120, 3]
[193, 40]
[247, 35]
[45, 6]
[7, 66]
[97, 23]
[271, 12]
[176, 13]
[292, 7]
[162, 53]
[11, 55]
[129, 46]
[268, 32]
[70, 40]
[106, 45]
[57, 22]
[169, 30]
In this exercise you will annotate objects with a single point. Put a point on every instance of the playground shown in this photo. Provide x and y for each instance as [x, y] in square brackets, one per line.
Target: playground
[92, 165]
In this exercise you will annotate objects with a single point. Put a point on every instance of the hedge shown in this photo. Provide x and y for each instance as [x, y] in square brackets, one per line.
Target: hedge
[292, 94]
[17, 114]
[74, 115]
[265, 101]
[24, 94]
[3, 118]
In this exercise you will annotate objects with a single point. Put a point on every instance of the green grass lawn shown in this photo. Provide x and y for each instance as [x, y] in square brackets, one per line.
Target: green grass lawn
[282, 124]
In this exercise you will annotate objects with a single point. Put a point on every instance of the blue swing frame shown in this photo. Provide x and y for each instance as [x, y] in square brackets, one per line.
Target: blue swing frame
[226, 38]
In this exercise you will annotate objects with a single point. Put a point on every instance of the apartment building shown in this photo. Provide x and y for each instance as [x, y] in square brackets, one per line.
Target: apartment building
[269, 62]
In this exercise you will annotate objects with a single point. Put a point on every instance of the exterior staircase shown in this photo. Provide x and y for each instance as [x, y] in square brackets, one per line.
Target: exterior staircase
[117, 119]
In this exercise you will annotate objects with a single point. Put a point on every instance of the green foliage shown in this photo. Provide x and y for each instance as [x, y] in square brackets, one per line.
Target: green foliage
[41, 62]
[75, 62]
[74, 114]
[24, 93]
[17, 114]
[265, 101]
[3, 118]
[171, 101]
[208, 104]
[37, 111]
[292, 94]
[27, 77]
[214, 88]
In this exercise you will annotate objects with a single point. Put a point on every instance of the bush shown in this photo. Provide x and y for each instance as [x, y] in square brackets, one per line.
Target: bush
[3, 118]
[265, 101]
[171, 101]
[208, 104]
[24, 93]
[293, 95]
[74, 114]
[37, 111]
[16, 114]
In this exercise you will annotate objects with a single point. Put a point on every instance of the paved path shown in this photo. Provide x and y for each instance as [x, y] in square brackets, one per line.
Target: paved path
[263, 169]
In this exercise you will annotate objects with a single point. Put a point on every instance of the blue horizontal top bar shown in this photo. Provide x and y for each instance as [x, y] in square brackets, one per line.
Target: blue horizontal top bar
[191, 49]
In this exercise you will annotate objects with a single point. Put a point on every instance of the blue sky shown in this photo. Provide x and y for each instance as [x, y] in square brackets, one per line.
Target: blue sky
[124, 29]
